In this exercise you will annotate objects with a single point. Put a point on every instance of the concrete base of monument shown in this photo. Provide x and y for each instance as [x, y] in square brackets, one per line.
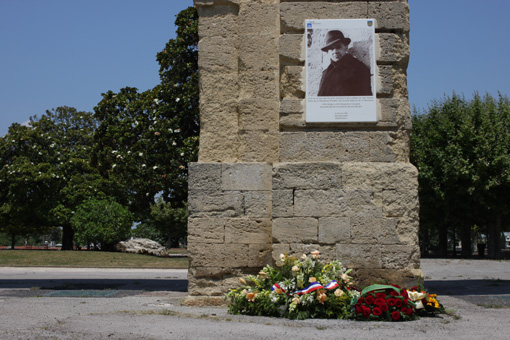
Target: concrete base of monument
[203, 301]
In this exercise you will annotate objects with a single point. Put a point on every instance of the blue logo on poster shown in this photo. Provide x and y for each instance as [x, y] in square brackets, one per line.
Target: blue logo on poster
[370, 23]
[309, 25]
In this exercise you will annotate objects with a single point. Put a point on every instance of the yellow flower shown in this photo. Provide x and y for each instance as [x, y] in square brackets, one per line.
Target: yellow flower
[321, 296]
[315, 254]
[251, 296]
[433, 302]
[312, 280]
[278, 291]
[339, 292]
[263, 275]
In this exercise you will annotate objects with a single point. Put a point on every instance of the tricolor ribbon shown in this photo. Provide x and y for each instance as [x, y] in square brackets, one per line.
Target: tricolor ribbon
[332, 285]
[277, 286]
[316, 285]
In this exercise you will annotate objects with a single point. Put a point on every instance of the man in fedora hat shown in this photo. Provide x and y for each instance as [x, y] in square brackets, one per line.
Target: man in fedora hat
[346, 75]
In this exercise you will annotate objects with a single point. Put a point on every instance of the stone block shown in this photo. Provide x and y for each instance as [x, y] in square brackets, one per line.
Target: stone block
[283, 203]
[258, 114]
[246, 176]
[258, 146]
[211, 255]
[204, 176]
[218, 87]
[295, 230]
[217, 20]
[398, 203]
[363, 203]
[380, 147]
[261, 84]
[218, 146]
[385, 80]
[248, 231]
[292, 82]
[279, 248]
[323, 146]
[292, 112]
[258, 52]
[257, 204]
[379, 176]
[320, 203]
[389, 15]
[203, 203]
[259, 17]
[206, 230]
[359, 255]
[365, 230]
[292, 48]
[334, 230]
[218, 54]
[260, 255]
[294, 14]
[407, 229]
[401, 277]
[305, 175]
[392, 48]
[394, 112]
[400, 257]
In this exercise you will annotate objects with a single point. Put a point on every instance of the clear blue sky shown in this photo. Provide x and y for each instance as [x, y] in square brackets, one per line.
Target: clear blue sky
[67, 52]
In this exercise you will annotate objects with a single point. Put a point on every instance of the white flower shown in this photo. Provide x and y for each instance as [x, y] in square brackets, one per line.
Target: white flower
[140, 154]
[156, 101]
[52, 145]
[146, 194]
[154, 167]
[174, 143]
[143, 165]
[177, 100]
[182, 153]
[114, 165]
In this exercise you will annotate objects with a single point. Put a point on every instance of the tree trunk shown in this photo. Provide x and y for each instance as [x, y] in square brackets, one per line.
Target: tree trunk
[465, 238]
[494, 238]
[13, 241]
[67, 237]
[443, 242]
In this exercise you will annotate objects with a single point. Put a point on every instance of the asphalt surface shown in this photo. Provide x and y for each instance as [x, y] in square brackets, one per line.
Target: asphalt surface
[51, 303]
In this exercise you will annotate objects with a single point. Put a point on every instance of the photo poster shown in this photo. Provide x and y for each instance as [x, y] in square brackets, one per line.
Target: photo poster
[340, 71]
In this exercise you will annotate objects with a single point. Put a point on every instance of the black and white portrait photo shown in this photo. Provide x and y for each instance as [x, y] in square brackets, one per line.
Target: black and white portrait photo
[340, 70]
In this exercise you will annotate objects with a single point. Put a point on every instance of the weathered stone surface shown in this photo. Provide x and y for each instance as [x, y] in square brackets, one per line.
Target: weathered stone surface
[407, 229]
[211, 255]
[379, 176]
[391, 15]
[381, 149]
[258, 146]
[246, 176]
[400, 257]
[295, 230]
[141, 246]
[217, 21]
[359, 255]
[394, 112]
[320, 203]
[204, 176]
[385, 80]
[259, 17]
[283, 203]
[259, 84]
[218, 53]
[248, 231]
[258, 52]
[258, 114]
[259, 255]
[206, 230]
[292, 112]
[202, 203]
[292, 82]
[393, 48]
[294, 14]
[257, 204]
[398, 203]
[401, 277]
[218, 147]
[334, 230]
[363, 203]
[292, 47]
[307, 176]
[324, 146]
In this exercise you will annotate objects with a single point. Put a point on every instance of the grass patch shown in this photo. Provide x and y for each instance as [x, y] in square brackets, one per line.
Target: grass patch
[86, 259]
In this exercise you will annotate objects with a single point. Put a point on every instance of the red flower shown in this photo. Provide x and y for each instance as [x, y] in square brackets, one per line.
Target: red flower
[380, 296]
[406, 302]
[380, 301]
[395, 315]
[398, 303]
[358, 309]
[369, 300]
[404, 293]
[384, 307]
[407, 311]
[391, 302]
[360, 300]
[366, 312]
[393, 293]
[376, 311]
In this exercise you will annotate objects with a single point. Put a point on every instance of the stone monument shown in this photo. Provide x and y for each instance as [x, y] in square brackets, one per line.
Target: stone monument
[268, 182]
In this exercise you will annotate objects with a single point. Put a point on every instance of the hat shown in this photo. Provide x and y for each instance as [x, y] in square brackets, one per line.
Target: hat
[334, 37]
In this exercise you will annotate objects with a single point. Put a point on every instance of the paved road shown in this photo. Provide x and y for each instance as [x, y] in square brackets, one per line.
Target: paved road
[144, 304]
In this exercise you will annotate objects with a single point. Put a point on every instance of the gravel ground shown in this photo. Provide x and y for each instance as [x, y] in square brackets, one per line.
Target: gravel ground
[145, 304]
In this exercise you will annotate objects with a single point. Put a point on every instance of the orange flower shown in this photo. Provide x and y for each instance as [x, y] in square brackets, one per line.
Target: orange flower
[321, 296]
[312, 280]
[251, 296]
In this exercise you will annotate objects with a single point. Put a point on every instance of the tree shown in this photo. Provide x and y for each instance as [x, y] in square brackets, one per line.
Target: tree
[146, 140]
[102, 222]
[462, 151]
